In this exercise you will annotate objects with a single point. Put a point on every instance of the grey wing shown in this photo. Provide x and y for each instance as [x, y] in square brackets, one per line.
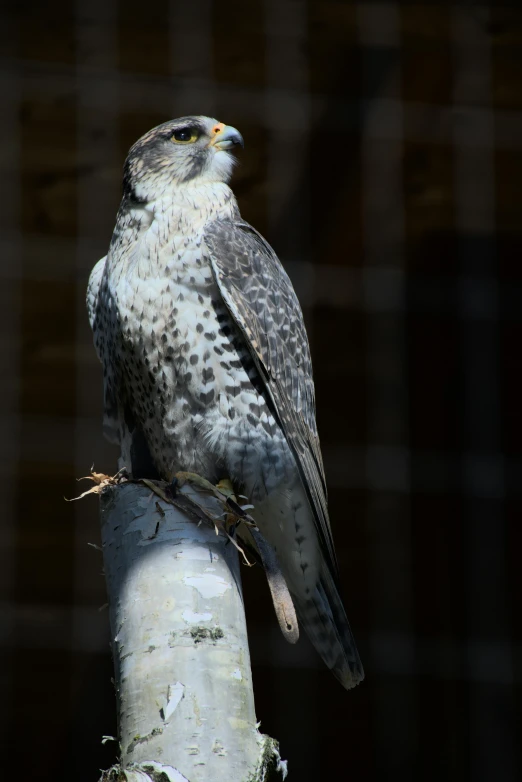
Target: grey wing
[262, 301]
[94, 290]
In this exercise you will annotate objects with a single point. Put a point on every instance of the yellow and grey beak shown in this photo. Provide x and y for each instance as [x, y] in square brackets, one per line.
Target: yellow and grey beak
[225, 137]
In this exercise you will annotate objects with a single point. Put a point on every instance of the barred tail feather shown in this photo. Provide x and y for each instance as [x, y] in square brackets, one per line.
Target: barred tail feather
[323, 618]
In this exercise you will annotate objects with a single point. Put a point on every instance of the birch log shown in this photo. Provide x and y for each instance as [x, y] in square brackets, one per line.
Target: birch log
[179, 642]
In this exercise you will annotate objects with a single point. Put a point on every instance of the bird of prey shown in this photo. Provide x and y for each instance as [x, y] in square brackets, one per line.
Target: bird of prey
[206, 360]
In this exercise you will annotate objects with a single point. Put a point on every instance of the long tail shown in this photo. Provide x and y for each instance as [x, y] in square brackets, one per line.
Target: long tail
[323, 617]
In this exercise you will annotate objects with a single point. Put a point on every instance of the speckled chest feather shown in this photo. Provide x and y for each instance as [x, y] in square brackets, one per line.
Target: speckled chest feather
[179, 368]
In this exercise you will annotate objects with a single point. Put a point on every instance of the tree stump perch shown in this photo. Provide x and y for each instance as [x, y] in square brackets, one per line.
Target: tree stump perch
[179, 643]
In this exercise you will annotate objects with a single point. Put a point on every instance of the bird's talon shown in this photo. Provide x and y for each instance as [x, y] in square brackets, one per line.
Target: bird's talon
[197, 480]
[224, 486]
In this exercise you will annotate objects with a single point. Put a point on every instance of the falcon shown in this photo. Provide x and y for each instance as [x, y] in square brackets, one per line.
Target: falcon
[206, 360]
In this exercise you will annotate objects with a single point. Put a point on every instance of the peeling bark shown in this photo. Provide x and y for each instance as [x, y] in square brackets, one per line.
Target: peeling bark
[180, 648]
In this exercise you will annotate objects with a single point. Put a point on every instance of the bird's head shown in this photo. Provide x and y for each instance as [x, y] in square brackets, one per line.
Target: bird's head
[178, 152]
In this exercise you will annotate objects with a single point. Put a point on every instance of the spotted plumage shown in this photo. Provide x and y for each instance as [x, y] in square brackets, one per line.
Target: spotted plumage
[206, 360]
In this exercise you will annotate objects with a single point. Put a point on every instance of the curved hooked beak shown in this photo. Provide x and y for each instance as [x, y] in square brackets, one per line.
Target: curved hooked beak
[225, 137]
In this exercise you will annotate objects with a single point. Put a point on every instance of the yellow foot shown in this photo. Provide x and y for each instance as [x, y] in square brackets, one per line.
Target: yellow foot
[197, 480]
[224, 492]
[227, 490]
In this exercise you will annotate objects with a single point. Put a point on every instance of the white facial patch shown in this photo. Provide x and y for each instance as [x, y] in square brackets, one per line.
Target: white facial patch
[220, 166]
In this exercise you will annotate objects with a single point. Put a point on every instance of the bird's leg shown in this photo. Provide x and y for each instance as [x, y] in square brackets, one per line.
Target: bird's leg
[239, 511]
[197, 480]
[224, 492]
[226, 488]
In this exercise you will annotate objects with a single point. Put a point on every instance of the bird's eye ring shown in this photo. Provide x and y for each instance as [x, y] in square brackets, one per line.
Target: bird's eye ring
[184, 136]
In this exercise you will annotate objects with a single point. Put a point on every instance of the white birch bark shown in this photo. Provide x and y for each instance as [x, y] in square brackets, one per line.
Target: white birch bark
[180, 648]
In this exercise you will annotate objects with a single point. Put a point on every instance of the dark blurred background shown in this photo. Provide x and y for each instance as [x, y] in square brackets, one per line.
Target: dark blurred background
[383, 161]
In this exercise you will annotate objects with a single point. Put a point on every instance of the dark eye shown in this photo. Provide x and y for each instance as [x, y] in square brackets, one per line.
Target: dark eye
[184, 135]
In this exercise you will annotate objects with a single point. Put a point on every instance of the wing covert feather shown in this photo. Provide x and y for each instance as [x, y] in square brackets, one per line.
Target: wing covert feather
[260, 297]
